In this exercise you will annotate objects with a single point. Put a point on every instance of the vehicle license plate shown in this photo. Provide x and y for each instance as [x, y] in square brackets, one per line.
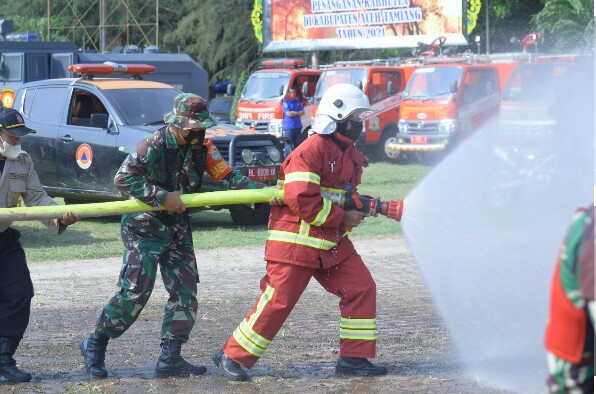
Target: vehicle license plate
[262, 173]
[418, 139]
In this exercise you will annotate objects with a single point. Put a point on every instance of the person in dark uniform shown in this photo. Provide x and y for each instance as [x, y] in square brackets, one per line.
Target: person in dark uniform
[18, 179]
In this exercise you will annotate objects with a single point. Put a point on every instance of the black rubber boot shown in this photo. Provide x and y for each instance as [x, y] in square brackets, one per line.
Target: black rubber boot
[171, 363]
[358, 366]
[231, 369]
[8, 365]
[93, 350]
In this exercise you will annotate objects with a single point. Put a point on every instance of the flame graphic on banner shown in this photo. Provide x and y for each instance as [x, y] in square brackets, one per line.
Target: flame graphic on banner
[256, 17]
[472, 12]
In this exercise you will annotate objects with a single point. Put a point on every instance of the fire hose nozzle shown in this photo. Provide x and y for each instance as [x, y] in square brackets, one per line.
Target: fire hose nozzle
[393, 209]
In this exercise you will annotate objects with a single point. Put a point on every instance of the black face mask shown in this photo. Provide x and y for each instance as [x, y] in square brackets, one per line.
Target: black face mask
[353, 133]
[195, 137]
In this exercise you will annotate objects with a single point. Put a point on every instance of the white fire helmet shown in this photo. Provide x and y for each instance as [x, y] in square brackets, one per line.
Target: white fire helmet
[339, 103]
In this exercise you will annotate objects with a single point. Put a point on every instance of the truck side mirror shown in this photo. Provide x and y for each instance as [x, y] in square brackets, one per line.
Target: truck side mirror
[390, 88]
[453, 86]
[305, 90]
[99, 120]
[230, 89]
[281, 90]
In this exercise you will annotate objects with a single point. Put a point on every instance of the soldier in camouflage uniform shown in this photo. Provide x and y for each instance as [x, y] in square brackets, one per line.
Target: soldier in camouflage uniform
[160, 168]
[570, 331]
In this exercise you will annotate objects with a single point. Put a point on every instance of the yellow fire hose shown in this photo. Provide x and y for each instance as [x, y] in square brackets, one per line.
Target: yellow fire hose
[211, 199]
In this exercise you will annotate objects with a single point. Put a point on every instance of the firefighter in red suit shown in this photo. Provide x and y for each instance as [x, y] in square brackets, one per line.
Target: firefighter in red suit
[308, 238]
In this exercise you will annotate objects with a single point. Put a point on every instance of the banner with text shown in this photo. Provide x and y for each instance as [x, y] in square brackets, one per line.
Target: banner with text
[306, 25]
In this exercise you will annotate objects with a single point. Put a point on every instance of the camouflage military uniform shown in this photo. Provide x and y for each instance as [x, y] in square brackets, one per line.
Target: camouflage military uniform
[161, 239]
[569, 339]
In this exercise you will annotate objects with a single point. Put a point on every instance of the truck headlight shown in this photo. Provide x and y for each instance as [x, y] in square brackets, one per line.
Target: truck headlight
[239, 123]
[402, 125]
[274, 154]
[447, 126]
[247, 156]
[275, 127]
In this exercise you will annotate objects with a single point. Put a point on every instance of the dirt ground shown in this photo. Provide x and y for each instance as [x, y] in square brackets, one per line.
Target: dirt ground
[412, 341]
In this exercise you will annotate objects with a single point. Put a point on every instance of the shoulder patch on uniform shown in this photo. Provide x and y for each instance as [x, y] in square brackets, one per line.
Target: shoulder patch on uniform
[215, 155]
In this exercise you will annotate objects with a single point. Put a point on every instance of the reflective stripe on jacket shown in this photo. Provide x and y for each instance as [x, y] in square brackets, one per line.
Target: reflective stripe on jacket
[307, 230]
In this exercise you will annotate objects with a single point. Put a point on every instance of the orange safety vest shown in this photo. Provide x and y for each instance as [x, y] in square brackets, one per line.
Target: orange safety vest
[308, 229]
[566, 328]
[567, 325]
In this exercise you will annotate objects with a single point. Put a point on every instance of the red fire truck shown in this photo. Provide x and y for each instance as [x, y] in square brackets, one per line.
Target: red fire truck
[382, 81]
[446, 100]
[260, 104]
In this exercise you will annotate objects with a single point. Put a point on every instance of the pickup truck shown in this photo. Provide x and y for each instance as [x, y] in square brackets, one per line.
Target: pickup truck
[87, 126]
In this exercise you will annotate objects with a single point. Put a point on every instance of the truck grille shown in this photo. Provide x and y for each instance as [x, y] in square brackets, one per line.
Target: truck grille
[259, 126]
[423, 127]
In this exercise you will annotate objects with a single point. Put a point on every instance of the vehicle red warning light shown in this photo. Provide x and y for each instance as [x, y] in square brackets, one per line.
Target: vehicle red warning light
[282, 63]
[111, 68]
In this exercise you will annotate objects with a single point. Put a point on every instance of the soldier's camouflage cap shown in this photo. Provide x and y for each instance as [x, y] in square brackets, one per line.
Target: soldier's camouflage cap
[190, 112]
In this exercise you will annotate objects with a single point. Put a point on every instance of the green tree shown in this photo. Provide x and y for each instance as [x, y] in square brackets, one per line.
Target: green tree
[569, 22]
[218, 34]
[241, 82]
[507, 19]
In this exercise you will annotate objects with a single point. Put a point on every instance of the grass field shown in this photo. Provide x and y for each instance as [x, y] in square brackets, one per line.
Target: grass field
[100, 237]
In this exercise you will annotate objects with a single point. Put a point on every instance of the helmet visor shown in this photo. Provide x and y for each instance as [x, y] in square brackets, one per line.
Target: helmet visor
[359, 114]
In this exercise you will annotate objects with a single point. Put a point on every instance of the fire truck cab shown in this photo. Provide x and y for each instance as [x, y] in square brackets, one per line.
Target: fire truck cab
[445, 101]
[382, 81]
[260, 103]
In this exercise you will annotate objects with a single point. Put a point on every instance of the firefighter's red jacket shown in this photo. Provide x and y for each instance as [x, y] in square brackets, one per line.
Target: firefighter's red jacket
[308, 229]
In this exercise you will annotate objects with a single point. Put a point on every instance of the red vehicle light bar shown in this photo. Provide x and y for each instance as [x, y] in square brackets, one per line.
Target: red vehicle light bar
[281, 63]
[111, 68]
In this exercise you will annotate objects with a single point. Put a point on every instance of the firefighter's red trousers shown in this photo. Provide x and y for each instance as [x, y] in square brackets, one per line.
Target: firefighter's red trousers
[281, 288]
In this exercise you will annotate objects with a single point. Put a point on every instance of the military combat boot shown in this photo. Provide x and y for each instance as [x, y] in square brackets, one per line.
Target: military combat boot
[171, 363]
[8, 365]
[93, 350]
[358, 366]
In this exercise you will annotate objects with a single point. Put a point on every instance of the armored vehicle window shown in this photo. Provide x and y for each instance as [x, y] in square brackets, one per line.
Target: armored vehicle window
[37, 67]
[47, 104]
[11, 67]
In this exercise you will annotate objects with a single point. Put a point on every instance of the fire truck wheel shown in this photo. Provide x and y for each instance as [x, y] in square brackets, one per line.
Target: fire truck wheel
[246, 216]
[384, 153]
